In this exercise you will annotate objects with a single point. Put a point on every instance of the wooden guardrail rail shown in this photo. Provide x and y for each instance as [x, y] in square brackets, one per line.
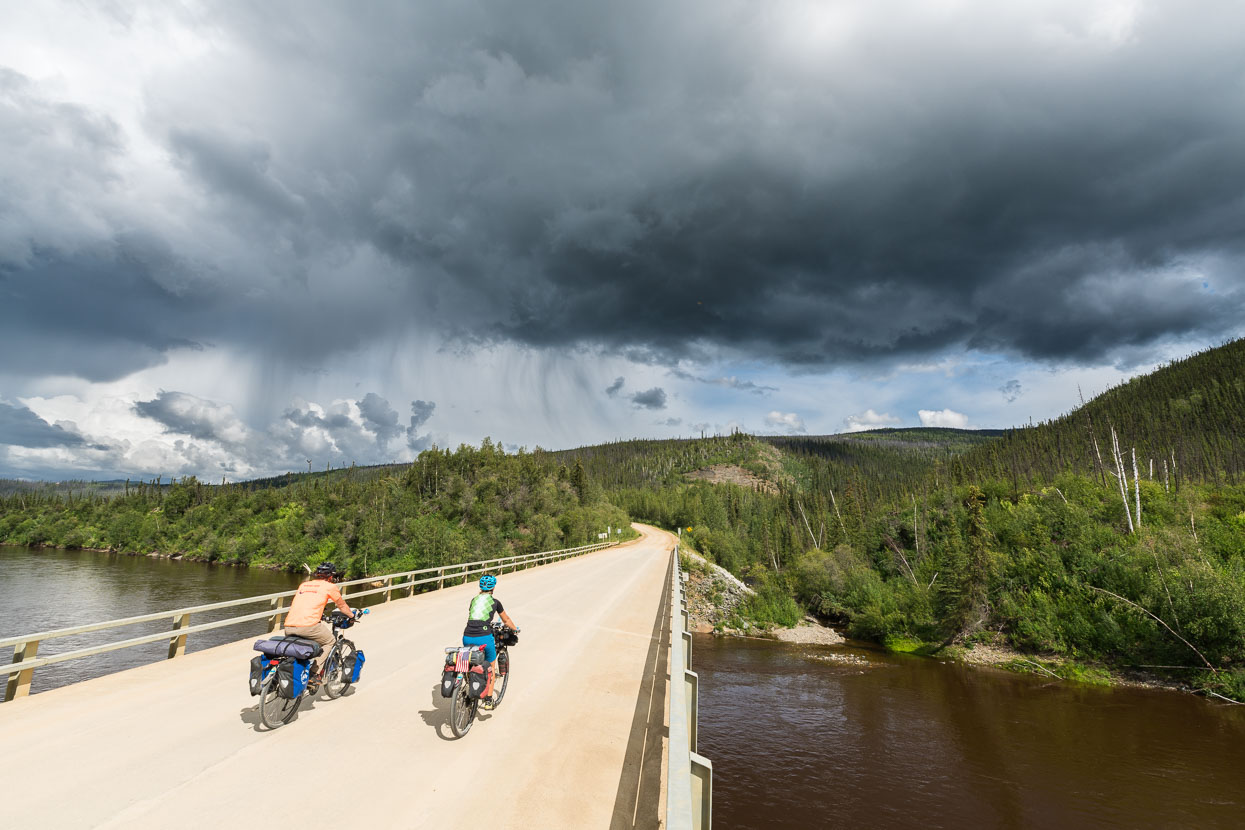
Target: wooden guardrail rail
[26, 648]
[689, 776]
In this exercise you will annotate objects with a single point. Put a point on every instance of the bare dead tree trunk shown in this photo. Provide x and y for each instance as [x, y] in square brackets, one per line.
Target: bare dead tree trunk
[903, 559]
[837, 514]
[1166, 489]
[1160, 622]
[1137, 487]
[916, 528]
[807, 526]
[1121, 477]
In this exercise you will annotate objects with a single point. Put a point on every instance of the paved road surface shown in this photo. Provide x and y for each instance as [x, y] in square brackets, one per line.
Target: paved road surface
[577, 743]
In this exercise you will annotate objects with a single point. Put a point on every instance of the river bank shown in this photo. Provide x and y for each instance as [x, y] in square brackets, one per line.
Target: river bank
[155, 554]
[716, 601]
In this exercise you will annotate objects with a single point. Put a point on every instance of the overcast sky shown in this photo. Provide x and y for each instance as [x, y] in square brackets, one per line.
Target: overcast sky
[236, 238]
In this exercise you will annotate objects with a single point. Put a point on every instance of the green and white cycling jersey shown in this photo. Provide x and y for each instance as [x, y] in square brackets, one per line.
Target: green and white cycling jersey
[484, 606]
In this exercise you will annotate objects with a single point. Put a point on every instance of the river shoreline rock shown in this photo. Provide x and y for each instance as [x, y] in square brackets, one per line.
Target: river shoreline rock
[714, 597]
[713, 593]
[809, 632]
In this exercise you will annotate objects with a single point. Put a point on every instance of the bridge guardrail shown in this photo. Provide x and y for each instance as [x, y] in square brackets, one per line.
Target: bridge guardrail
[26, 647]
[689, 776]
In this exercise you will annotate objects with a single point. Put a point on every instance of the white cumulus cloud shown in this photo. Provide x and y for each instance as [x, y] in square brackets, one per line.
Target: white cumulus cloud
[869, 420]
[789, 421]
[943, 418]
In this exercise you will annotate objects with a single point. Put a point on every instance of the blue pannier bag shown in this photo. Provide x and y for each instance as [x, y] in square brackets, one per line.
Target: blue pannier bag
[353, 666]
[296, 647]
[292, 677]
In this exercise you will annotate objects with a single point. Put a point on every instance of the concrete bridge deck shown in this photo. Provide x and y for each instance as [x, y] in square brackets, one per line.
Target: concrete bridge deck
[578, 743]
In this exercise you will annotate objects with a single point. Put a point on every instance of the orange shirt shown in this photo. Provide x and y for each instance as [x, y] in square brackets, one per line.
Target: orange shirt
[310, 600]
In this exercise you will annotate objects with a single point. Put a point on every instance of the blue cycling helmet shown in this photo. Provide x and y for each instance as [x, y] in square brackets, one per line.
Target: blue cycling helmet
[488, 582]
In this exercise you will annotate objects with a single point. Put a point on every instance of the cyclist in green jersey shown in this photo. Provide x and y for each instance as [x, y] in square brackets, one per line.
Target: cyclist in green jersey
[484, 606]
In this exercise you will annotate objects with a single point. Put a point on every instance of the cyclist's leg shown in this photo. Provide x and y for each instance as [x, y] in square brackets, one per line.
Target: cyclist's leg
[321, 633]
[490, 654]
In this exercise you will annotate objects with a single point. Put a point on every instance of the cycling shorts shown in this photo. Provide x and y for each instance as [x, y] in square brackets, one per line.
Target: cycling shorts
[490, 645]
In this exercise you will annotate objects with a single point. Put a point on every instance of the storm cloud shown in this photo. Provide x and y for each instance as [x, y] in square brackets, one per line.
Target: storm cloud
[512, 205]
[654, 398]
[819, 184]
[22, 428]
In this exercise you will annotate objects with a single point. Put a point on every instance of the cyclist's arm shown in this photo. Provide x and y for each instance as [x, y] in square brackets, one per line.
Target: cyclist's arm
[506, 619]
[336, 596]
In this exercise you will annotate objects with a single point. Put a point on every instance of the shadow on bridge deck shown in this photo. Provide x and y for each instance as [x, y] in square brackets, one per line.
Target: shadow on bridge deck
[640, 799]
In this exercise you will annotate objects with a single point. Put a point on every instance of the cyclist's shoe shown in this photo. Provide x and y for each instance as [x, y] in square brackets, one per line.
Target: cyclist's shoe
[486, 703]
[313, 686]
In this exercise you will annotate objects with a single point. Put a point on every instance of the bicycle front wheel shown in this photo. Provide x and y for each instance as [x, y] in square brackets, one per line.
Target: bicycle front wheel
[275, 710]
[336, 679]
[462, 709]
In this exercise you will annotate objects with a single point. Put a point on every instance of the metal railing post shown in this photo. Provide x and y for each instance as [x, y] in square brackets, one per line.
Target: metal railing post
[691, 682]
[19, 683]
[702, 792]
[177, 645]
[277, 605]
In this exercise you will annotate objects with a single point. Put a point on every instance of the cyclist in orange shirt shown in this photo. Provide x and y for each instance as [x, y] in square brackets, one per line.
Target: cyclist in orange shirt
[303, 619]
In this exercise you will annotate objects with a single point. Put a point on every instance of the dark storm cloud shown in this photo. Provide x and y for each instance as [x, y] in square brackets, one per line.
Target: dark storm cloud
[380, 418]
[186, 415]
[813, 184]
[654, 398]
[22, 428]
[614, 388]
[421, 412]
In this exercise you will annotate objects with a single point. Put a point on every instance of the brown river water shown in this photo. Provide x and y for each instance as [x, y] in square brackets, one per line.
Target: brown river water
[844, 737]
[45, 589]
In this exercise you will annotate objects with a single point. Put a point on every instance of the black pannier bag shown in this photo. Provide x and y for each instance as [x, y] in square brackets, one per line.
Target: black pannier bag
[477, 657]
[447, 682]
[477, 682]
[285, 679]
[257, 673]
[295, 647]
[509, 637]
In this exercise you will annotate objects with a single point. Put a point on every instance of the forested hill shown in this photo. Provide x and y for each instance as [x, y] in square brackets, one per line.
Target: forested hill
[444, 508]
[947, 537]
[1187, 418]
[878, 461]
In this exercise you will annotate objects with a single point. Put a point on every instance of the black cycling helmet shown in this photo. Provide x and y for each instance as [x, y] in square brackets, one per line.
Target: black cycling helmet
[326, 569]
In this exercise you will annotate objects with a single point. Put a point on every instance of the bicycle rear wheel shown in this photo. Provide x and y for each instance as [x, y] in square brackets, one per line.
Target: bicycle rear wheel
[275, 710]
[503, 677]
[462, 709]
[336, 680]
